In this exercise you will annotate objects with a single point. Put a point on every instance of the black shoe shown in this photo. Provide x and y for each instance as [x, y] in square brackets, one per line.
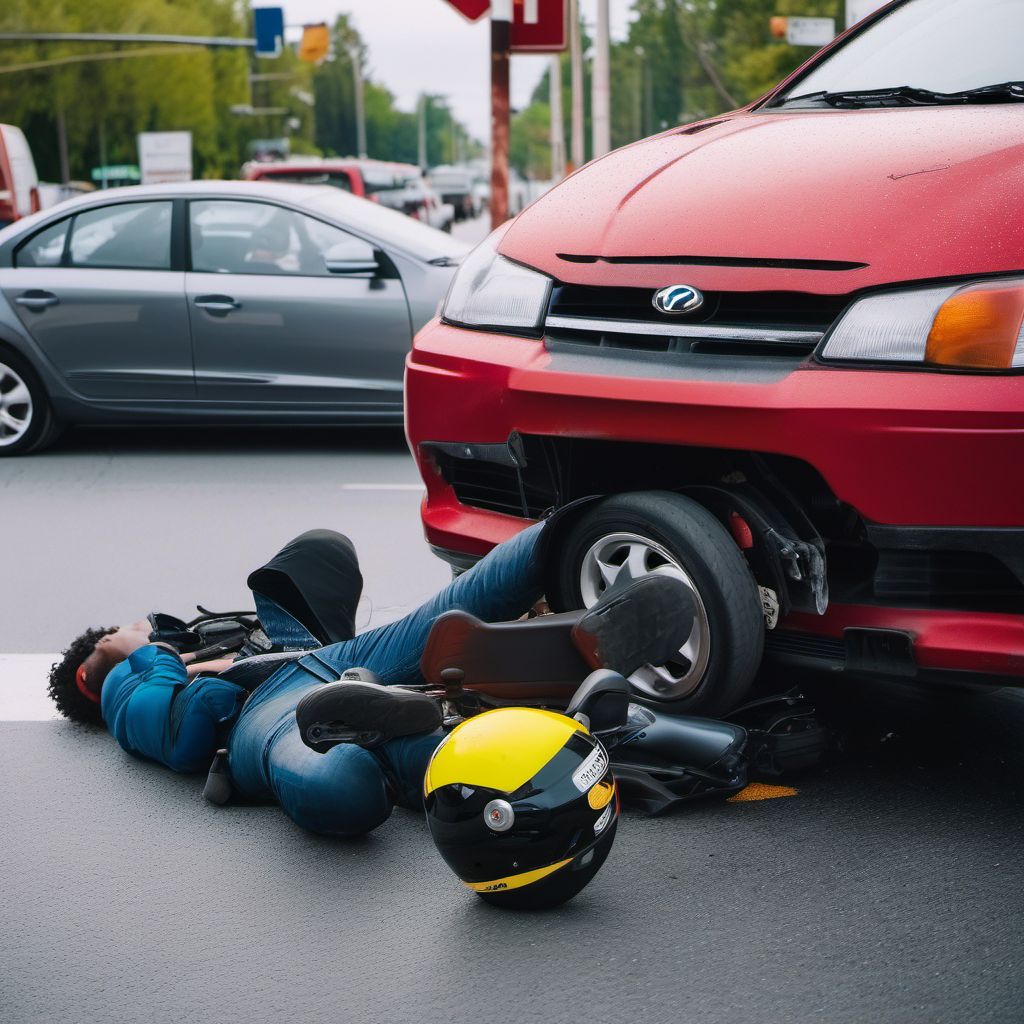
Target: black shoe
[642, 622]
[366, 714]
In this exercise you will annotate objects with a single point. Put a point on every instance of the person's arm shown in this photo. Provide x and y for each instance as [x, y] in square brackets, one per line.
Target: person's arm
[164, 716]
[207, 668]
[201, 715]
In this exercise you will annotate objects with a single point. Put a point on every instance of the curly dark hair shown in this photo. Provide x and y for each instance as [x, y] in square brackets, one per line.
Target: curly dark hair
[64, 690]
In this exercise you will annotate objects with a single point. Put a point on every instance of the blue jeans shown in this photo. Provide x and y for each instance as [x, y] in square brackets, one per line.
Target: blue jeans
[345, 792]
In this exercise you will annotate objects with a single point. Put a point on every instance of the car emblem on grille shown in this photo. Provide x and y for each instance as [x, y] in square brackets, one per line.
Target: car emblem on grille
[677, 298]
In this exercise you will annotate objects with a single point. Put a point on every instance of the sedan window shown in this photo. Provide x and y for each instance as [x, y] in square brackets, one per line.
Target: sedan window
[44, 249]
[237, 237]
[131, 236]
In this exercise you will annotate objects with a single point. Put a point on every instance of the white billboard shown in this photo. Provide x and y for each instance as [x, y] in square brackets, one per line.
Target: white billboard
[165, 156]
[810, 31]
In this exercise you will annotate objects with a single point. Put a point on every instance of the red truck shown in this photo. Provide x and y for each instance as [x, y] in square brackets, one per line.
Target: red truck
[19, 184]
[780, 352]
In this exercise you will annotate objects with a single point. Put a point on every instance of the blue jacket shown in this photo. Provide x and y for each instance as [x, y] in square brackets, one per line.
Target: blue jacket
[154, 711]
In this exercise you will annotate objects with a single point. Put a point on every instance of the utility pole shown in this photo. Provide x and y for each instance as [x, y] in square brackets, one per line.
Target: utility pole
[103, 152]
[576, 61]
[557, 125]
[357, 80]
[62, 144]
[422, 133]
[501, 28]
[601, 85]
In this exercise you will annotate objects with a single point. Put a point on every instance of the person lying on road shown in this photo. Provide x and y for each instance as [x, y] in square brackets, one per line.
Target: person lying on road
[178, 712]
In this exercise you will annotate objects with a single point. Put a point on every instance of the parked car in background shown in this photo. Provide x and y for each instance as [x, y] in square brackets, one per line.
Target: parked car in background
[211, 301]
[481, 196]
[417, 199]
[397, 186]
[365, 178]
[787, 342]
[19, 183]
[454, 185]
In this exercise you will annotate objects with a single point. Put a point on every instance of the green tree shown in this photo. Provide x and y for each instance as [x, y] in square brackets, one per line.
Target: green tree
[391, 134]
[105, 103]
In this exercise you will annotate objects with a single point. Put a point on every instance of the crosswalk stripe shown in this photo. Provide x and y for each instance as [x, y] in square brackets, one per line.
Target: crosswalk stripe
[23, 696]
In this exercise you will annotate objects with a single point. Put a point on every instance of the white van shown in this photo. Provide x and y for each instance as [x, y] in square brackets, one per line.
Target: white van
[19, 183]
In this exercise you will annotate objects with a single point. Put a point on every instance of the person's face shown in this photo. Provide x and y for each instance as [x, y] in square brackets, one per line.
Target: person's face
[124, 640]
[112, 649]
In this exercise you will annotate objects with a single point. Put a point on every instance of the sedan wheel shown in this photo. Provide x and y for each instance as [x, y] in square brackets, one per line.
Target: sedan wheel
[16, 407]
[27, 423]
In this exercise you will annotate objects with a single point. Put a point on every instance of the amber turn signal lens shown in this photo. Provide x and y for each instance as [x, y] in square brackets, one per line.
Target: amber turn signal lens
[979, 328]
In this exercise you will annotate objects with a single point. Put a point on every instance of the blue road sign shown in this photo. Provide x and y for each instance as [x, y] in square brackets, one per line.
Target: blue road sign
[268, 23]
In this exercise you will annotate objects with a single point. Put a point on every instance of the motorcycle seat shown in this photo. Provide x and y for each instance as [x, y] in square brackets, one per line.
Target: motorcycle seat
[522, 660]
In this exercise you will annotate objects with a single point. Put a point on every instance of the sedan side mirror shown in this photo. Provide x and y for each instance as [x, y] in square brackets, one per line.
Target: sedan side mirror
[351, 257]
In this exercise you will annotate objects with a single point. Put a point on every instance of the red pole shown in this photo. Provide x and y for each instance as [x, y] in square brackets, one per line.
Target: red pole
[501, 26]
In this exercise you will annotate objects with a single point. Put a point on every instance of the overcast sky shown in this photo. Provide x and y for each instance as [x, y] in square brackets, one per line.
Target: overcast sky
[426, 46]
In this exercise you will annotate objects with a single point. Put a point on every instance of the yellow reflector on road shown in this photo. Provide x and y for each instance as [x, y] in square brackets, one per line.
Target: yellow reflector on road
[761, 791]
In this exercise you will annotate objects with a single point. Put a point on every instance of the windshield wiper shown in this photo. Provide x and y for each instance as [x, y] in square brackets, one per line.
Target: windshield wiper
[911, 96]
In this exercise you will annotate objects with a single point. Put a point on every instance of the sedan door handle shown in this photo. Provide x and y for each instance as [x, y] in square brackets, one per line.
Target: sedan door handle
[37, 300]
[217, 303]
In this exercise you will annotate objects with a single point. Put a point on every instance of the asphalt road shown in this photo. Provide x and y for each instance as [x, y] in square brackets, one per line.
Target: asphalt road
[886, 890]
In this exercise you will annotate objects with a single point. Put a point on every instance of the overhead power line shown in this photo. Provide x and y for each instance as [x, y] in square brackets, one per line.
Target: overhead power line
[83, 58]
[122, 37]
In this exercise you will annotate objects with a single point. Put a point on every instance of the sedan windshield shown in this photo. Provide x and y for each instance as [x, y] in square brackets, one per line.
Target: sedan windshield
[937, 47]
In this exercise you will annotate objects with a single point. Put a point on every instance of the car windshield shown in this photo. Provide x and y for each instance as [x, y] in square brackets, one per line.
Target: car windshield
[387, 226]
[932, 46]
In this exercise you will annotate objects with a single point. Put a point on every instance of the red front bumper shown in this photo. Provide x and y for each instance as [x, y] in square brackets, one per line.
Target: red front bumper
[901, 447]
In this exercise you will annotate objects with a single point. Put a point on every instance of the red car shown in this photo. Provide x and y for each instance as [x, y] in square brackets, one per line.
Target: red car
[785, 345]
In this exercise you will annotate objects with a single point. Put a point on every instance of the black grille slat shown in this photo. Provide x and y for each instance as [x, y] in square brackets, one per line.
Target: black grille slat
[806, 645]
[788, 324]
[781, 310]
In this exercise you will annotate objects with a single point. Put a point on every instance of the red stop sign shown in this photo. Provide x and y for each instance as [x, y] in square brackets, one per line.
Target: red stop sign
[474, 10]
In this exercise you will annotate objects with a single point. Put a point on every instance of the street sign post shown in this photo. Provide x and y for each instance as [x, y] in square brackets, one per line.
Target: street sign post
[520, 26]
[268, 27]
[501, 28]
[810, 31]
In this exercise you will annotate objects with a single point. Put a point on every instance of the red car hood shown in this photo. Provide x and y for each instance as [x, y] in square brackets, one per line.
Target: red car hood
[908, 194]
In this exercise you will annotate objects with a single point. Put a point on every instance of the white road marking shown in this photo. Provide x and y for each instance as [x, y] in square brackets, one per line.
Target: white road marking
[23, 696]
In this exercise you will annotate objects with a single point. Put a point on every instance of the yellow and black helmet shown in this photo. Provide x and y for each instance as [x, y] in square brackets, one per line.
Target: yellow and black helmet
[522, 805]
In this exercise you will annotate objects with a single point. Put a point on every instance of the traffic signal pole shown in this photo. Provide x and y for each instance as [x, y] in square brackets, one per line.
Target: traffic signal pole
[501, 27]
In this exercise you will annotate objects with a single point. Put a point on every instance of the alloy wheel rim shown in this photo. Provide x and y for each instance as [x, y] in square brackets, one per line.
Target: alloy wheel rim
[638, 556]
[15, 406]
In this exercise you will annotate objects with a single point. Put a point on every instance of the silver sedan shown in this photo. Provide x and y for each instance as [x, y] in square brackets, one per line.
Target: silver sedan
[211, 301]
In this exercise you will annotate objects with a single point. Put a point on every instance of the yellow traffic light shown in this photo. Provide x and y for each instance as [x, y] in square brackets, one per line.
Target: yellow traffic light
[316, 43]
